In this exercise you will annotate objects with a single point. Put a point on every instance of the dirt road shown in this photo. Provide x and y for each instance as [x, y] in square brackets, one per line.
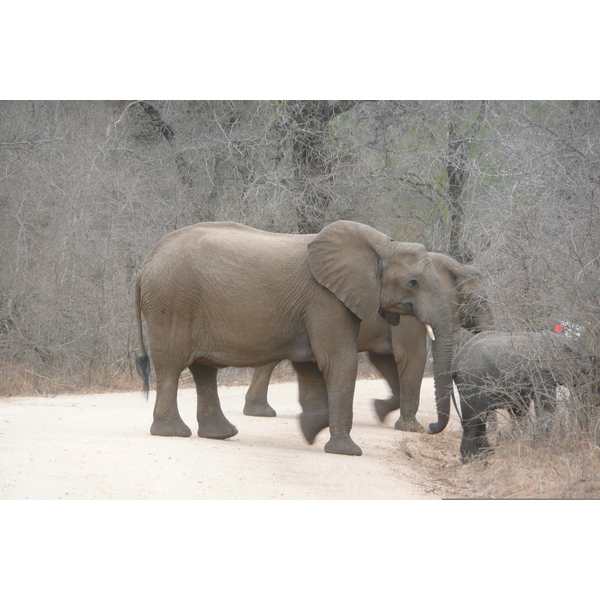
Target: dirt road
[99, 447]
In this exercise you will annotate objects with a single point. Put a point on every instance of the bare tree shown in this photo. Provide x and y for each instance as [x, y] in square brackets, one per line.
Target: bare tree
[313, 158]
[461, 138]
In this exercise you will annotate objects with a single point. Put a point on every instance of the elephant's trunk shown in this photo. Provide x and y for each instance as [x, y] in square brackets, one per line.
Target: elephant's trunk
[442, 375]
[442, 350]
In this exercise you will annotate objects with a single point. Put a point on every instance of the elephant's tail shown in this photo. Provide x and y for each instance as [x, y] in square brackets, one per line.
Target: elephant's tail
[142, 361]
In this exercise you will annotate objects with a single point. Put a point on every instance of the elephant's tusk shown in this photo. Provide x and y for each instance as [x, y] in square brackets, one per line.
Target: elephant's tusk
[430, 332]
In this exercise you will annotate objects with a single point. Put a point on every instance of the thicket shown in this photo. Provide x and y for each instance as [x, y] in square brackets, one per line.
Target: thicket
[87, 188]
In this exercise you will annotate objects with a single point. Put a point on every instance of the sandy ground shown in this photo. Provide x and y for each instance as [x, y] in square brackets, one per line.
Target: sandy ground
[98, 447]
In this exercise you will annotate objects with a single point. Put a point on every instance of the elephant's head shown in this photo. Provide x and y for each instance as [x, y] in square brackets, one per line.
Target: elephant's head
[373, 274]
[465, 288]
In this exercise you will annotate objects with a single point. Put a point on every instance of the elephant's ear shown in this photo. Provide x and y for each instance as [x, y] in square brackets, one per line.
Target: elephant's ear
[344, 258]
[467, 274]
[459, 272]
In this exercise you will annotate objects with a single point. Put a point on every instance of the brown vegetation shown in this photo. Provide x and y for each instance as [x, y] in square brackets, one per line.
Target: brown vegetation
[564, 466]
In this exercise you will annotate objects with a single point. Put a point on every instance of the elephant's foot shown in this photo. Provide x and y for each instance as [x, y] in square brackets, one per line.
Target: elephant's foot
[217, 430]
[312, 423]
[175, 427]
[343, 446]
[259, 408]
[384, 407]
[410, 424]
[474, 447]
[465, 459]
[482, 454]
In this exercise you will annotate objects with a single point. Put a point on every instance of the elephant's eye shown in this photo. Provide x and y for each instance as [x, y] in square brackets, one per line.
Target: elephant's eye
[413, 284]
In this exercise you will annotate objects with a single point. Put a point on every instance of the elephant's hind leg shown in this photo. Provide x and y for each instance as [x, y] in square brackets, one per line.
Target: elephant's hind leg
[386, 365]
[212, 423]
[167, 420]
[256, 403]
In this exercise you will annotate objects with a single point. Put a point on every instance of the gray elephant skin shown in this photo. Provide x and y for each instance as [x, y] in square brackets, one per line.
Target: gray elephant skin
[223, 294]
[512, 370]
[399, 352]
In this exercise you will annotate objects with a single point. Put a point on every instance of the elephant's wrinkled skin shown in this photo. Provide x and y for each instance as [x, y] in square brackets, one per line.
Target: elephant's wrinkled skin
[222, 294]
[510, 370]
[400, 353]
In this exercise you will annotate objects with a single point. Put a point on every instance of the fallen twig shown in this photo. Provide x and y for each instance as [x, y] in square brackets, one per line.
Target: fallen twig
[48, 378]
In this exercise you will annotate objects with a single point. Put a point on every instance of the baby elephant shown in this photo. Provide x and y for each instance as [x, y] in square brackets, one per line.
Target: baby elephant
[508, 370]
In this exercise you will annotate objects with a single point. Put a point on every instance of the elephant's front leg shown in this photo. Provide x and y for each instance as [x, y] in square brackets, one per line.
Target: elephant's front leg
[338, 361]
[474, 415]
[340, 378]
[319, 411]
[333, 334]
[212, 423]
[474, 441]
[256, 404]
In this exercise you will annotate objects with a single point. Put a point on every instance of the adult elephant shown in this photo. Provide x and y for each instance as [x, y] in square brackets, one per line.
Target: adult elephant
[222, 294]
[399, 352]
[511, 370]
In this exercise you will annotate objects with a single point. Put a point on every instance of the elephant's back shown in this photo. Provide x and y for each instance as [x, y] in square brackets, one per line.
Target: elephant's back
[484, 346]
[226, 243]
[493, 353]
[218, 267]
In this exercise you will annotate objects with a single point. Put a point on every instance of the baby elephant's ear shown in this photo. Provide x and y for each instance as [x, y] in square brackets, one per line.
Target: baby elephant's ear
[344, 258]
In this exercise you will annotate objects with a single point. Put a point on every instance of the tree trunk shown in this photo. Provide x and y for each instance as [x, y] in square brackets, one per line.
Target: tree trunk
[312, 159]
[457, 170]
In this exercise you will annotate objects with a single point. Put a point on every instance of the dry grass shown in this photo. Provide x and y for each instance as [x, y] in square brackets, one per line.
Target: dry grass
[19, 380]
[566, 466]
